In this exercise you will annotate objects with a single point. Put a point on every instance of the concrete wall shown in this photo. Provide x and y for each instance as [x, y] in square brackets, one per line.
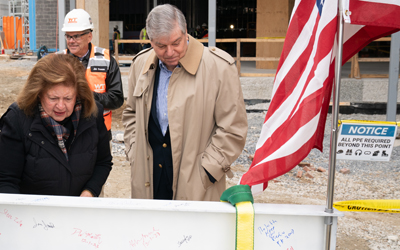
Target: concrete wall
[47, 23]
[3, 11]
[99, 12]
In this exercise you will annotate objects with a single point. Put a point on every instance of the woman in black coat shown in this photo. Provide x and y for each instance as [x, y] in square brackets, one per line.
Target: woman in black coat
[53, 140]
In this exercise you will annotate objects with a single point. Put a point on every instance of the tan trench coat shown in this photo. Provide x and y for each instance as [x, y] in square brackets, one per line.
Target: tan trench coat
[207, 122]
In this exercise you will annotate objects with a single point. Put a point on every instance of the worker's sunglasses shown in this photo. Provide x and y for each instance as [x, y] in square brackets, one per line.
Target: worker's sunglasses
[75, 37]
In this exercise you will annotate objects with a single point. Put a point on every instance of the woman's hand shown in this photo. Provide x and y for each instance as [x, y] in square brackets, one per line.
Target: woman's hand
[86, 193]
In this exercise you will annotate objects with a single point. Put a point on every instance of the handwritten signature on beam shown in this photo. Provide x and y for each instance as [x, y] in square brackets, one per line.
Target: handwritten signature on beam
[43, 224]
[185, 239]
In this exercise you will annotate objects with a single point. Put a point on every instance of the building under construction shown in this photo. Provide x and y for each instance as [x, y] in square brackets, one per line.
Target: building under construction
[31, 24]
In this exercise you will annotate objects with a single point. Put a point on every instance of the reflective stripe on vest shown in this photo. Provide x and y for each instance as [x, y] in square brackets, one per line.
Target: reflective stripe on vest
[96, 73]
[144, 34]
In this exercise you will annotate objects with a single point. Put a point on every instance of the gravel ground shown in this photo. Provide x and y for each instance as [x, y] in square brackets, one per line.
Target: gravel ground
[255, 121]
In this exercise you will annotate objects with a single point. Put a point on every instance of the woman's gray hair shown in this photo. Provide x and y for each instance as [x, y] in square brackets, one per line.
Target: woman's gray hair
[162, 20]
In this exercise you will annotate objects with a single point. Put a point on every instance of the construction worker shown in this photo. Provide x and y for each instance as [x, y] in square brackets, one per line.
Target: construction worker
[102, 71]
[204, 33]
[197, 32]
[116, 36]
[143, 36]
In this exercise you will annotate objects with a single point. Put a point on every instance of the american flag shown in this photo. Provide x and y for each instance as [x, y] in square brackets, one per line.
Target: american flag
[367, 20]
[295, 121]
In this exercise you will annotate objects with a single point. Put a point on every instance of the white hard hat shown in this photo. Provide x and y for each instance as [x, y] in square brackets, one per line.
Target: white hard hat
[77, 20]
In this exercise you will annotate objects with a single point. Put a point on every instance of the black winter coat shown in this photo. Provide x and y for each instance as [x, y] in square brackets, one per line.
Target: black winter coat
[32, 163]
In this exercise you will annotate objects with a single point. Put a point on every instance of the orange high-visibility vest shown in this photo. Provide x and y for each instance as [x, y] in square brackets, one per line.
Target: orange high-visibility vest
[96, 73]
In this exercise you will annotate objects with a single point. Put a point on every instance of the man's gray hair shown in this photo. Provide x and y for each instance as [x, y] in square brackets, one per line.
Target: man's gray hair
[162, 20]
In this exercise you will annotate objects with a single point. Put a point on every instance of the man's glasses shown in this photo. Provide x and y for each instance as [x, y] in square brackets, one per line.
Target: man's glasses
[75, 37]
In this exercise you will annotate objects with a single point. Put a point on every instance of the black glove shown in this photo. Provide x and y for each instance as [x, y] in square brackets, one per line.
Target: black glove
[212, 179]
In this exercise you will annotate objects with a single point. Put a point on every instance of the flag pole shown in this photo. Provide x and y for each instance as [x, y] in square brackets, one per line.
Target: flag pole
[334, 129]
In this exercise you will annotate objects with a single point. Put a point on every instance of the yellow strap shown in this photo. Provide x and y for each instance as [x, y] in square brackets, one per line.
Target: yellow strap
[240, 196]
[380, 206]
[244, 226]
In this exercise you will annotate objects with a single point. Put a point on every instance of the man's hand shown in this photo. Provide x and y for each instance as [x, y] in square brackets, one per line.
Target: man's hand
[86, 193]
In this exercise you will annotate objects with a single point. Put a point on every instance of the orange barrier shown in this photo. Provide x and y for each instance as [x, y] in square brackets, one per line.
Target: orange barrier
[8, 28]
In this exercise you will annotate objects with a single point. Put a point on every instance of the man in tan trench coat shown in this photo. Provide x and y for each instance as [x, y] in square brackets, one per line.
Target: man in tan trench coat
[185, 119]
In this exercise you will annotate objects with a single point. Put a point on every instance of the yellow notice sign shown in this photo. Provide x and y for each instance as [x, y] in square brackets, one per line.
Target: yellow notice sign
[366, 140]
[380, 206]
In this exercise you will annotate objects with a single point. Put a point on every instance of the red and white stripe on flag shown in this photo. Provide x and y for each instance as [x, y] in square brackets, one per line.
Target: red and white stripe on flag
[295, 121]
[367, 20]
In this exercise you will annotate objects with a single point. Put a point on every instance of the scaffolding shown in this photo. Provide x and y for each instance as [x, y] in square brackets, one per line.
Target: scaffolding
[21, 9]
